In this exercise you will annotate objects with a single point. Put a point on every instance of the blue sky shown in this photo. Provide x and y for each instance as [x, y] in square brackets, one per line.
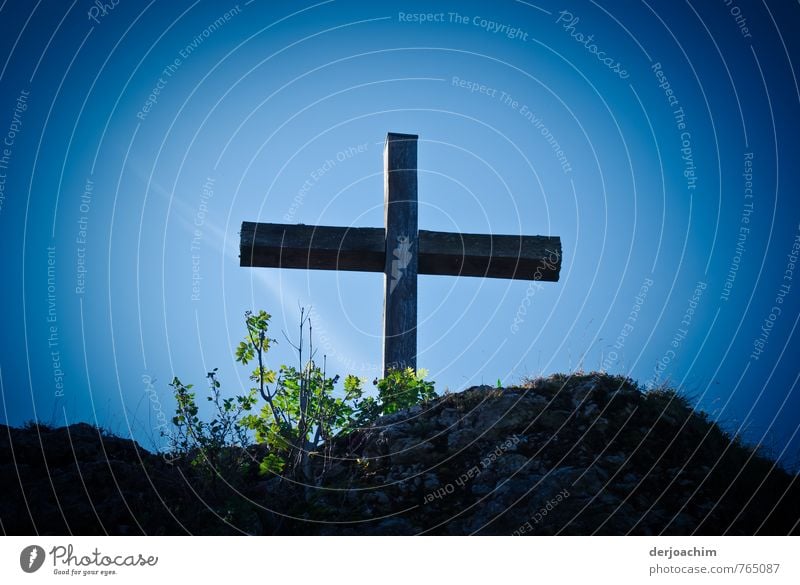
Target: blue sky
[653, 138]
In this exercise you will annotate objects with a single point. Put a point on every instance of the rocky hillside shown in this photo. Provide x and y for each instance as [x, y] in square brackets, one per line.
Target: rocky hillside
[581, 454]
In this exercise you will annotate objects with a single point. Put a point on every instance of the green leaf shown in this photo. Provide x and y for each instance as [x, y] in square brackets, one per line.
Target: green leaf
[271, 464]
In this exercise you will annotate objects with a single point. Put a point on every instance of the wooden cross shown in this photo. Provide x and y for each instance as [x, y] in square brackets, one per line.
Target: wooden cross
[400, 251]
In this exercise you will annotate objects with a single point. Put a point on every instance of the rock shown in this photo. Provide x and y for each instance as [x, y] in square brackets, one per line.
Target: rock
[616, 459]
[484, 461]
[409, 450]
[553, 420]
[377, 498]
[509, 464]
[590, 410]
[482, 487]
[459, 439]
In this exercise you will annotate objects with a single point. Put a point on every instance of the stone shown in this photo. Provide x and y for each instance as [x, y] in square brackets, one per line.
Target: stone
[425, 474]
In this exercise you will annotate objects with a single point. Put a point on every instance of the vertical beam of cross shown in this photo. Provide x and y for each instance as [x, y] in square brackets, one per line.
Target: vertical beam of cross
[401, 251]
[402, 247]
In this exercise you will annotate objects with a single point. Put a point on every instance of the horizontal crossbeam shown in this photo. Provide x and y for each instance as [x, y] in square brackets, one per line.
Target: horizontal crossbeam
[273, 245]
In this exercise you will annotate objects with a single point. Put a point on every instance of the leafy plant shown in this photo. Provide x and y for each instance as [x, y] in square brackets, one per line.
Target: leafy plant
[402, 389]
[219, 445]
[302, 412]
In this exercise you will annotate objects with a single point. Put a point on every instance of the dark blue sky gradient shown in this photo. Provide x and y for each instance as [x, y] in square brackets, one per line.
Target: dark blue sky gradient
[278, 112]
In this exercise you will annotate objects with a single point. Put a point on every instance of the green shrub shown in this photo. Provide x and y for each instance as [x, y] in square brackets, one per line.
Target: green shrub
[402, 389]
[217, 447]
[301, 414]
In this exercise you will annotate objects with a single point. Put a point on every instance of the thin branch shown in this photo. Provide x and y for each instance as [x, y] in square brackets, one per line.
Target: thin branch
[259, 350]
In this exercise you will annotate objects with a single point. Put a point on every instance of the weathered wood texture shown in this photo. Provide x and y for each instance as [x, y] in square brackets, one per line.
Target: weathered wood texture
[490, 256]
[274, 245]
[402, 247]
[400, 251]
